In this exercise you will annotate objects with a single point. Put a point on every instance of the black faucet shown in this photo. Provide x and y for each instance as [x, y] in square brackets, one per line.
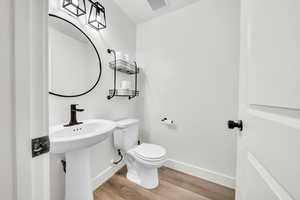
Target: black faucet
[73, 119]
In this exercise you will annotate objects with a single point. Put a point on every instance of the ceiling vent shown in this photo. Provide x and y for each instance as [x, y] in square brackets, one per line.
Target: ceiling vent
[157, 4]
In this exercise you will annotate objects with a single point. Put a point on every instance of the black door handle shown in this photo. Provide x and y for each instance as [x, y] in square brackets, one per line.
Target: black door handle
[232, 124]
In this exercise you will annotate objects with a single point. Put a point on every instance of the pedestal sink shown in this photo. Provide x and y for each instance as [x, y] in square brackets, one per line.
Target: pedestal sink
[75, 142]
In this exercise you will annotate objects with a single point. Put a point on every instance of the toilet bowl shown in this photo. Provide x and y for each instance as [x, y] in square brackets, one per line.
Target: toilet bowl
[142, 160]
[142, 163]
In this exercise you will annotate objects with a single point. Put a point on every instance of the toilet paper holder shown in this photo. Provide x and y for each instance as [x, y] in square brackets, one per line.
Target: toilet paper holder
[167, 121]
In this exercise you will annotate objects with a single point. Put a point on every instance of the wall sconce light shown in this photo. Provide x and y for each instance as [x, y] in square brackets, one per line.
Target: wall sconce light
[76, 7]
[97, 18]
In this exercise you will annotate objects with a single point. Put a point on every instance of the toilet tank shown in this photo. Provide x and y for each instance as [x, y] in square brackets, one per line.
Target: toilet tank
[126, 134]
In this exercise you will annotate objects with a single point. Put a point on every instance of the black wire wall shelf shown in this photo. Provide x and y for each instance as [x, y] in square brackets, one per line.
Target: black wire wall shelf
[124, 92]
[124, 67]
[127, 68]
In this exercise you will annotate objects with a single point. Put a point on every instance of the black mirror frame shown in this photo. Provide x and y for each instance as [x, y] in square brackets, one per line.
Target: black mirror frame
[100, 66]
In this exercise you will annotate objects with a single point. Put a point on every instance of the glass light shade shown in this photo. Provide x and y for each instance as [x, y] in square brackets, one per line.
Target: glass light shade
[97, 18]
[76, 7]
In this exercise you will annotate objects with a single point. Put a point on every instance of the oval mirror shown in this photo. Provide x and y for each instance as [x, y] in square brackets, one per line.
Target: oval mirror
[74, 62]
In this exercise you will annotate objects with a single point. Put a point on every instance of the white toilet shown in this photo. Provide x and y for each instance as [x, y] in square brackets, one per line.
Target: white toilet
[142, 160]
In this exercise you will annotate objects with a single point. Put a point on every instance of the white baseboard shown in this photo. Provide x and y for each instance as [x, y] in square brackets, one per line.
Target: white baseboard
[106, 174]
[206, 174]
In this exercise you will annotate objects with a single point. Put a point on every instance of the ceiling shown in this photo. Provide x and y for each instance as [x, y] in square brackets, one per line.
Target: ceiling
[140, 10]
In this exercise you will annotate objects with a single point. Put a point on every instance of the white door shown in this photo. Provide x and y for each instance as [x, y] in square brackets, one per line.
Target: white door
[30, 23]
[269, 145]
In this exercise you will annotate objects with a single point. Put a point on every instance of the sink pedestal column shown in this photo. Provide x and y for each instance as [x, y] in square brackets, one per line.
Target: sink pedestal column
[78, 178]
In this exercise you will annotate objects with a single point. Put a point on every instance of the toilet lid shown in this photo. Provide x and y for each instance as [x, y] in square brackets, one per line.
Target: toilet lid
[150, 151]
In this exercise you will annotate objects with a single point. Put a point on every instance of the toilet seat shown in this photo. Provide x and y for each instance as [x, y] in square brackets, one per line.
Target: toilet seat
[150, 152]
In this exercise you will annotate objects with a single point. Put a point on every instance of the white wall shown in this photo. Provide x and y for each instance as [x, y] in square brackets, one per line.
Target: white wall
[190, 63]
[120, 35]
[7, 169]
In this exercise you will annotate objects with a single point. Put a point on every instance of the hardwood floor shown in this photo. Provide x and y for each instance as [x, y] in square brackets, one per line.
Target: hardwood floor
[174, 185]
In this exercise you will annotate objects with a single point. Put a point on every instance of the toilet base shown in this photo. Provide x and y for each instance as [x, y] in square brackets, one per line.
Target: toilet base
[145, 177]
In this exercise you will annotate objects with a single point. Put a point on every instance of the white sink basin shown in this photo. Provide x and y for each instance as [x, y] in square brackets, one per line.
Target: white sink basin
[75, 141]
[65, 139]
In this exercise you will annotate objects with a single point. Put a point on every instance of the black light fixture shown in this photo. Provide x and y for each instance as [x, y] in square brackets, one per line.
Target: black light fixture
[76, 7]
[97, 18]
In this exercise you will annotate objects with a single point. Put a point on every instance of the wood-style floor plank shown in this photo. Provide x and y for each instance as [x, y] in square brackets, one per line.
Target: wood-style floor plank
[208, 189]
[174, 185]
[172, 192]
[106, 193]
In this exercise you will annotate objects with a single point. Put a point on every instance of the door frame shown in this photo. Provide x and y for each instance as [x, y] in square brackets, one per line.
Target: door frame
[31, 97]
